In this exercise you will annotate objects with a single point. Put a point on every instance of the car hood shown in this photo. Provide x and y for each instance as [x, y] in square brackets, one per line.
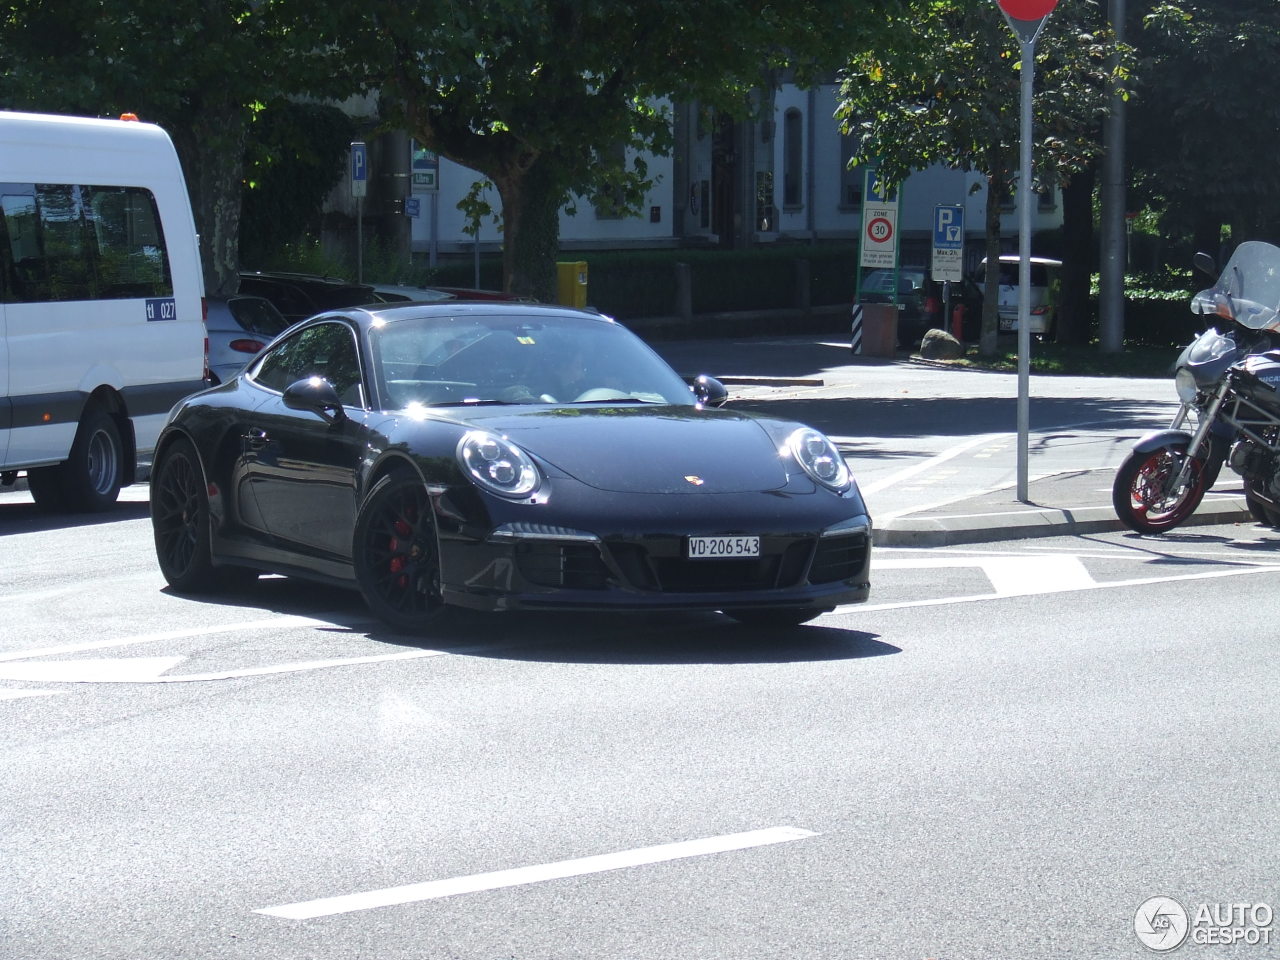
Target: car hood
[645, 449]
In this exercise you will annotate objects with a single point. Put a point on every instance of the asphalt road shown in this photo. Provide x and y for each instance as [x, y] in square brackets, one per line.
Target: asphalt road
[1004, 754]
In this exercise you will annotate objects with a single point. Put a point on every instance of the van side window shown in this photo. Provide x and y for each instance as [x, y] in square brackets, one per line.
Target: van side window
[70, 242]
[131, 254]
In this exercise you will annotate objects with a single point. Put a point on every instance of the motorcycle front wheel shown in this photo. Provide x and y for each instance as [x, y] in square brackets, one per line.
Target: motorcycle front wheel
[1142, 493]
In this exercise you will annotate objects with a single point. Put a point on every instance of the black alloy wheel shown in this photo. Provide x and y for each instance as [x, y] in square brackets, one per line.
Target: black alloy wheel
[180, 519]
[396, 553]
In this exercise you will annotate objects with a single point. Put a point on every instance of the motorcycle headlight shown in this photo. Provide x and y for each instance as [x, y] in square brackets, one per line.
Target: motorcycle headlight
[497, 464]
[1184, 381]
[820, 459]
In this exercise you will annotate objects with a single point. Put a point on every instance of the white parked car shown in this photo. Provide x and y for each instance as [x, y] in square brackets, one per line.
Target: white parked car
[1044, 292]
[239, 328]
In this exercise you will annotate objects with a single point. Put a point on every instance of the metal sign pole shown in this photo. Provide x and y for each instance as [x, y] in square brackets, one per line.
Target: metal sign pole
[1024, 270]
[1026, 18]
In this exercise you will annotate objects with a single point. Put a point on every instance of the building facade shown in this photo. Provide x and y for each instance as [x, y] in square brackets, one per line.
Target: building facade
[728, 183]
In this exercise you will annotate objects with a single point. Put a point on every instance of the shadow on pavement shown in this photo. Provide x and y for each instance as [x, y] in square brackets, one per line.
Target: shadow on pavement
[906, 416]
[642, 639]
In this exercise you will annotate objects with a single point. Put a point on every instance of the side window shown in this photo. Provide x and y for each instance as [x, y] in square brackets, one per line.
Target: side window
[68, 242]
[132, 260]
[327, 350]
[67, 261]
[27, 278]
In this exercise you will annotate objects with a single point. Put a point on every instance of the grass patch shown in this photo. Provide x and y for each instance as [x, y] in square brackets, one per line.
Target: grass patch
[1088, 361]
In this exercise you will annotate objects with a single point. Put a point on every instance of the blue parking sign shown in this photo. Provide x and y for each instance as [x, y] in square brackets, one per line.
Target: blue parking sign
[948, 226]
[948, 242]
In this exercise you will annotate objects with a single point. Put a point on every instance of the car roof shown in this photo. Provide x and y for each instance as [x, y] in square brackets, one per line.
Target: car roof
[373, 314]
[1014, 258]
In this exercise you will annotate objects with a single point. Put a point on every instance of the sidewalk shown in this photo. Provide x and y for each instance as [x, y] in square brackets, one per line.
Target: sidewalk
[1062, 504]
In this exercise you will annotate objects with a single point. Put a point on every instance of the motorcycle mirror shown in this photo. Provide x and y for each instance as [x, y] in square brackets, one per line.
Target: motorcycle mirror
[1205, 264]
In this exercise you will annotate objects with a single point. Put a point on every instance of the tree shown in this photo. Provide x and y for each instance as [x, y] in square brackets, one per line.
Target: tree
[199, 68]
[951, 96]
[537, 95]
[1205, 124]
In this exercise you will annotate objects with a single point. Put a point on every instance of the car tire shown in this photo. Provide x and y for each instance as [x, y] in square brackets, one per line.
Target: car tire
[180, 521]
[89, 480]
[774, 617]
[45, 486]
[94, 472]
[396, 554]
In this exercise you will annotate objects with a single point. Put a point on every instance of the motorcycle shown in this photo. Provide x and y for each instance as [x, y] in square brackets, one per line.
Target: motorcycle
[1228, 379]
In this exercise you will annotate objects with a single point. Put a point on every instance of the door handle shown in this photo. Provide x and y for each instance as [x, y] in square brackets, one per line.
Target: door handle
[256, 439]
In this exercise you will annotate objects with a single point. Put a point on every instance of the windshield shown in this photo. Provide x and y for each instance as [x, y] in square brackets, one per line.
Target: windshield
[468, 359]
[1248, 290]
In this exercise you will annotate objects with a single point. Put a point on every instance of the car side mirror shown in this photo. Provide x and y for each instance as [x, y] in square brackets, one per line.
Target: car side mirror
[709, 391]
[317, 395]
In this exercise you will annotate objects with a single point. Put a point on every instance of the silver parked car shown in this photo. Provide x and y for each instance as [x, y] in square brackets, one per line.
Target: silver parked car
[239, 328]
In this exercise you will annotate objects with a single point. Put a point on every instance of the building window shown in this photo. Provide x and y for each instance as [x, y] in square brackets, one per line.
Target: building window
[792, 157]
[850, 179]
[1047, 199]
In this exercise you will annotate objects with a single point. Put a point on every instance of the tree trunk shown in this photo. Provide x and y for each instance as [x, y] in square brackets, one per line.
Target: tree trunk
[212, 151]
[988, 340]
[531, 204]
[1074, 319]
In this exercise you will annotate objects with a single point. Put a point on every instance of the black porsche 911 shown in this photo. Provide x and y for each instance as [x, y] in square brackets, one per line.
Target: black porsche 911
[502, 456]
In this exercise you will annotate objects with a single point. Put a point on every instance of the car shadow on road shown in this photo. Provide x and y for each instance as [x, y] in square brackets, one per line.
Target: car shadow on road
[25, 517]
[642, 639]
[646, 639]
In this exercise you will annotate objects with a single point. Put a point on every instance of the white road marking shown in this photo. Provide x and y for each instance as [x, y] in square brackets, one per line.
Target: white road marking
[151, 669]
[896, 478]
[1011, 576]
[268, 623]
[435, 889]
[1108, 585]
[18, 694]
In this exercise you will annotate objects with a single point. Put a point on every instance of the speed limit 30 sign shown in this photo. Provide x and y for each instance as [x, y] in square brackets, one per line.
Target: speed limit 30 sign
[879, 225]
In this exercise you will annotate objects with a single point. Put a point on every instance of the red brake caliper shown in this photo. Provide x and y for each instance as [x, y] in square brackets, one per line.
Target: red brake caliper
[403, 534]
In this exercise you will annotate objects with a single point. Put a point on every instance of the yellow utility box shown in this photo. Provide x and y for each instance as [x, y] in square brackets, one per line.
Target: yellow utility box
[571, 283]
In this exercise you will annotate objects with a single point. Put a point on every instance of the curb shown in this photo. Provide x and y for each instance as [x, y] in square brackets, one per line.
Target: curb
[942, 531]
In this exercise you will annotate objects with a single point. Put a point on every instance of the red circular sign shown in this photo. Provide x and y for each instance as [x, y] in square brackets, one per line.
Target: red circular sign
[879, 230]
[1027, 9]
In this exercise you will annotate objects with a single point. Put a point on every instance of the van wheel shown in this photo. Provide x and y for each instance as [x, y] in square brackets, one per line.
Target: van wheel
[45, 484]
[94, 471]
[89, 480]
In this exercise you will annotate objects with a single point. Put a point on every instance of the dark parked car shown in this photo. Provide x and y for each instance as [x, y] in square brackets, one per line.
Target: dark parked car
[239, 327]
[502, 456]
[878, 287]
[300, 295]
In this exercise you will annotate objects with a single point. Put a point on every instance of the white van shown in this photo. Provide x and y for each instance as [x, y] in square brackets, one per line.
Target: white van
[101, 302]
[1044, 292]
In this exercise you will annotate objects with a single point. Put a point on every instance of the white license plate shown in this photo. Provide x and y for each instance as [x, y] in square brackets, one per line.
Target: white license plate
[719, 548]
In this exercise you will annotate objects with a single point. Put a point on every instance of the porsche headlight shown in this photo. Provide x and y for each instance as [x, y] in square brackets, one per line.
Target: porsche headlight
[820, 459]
[497, 464]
